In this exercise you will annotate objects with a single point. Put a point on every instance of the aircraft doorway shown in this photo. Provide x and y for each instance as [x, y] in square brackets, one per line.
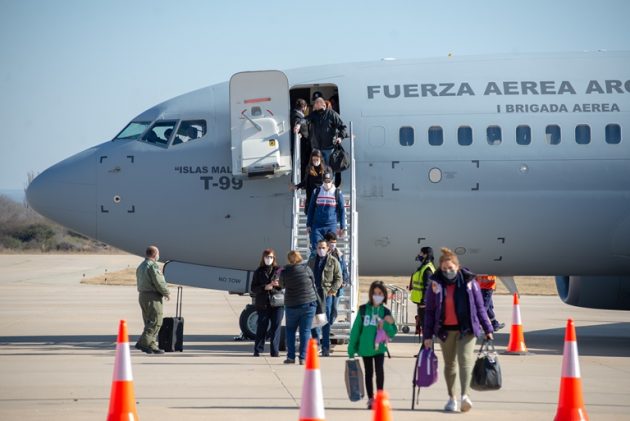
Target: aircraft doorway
[309, 93]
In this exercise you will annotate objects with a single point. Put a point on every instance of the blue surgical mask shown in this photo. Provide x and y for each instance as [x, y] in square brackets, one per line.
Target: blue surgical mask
[378, 299]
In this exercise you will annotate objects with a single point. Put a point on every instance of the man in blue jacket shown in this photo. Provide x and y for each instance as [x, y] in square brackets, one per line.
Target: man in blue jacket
[326, 210]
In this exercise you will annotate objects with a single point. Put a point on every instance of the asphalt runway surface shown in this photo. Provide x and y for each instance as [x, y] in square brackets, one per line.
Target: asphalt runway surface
[57, 342]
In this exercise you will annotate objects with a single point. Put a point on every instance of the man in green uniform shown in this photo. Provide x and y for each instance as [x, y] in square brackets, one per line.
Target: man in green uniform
[151, 287]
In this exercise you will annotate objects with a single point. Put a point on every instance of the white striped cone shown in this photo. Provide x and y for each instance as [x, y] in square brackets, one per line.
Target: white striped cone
[122, 401]
[517, 340]
[570, 401]
[312, 402]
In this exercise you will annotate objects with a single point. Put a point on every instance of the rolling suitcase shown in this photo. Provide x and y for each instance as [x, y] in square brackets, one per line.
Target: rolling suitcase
[171, 336]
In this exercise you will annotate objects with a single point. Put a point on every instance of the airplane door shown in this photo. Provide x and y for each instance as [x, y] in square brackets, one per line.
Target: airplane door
[259, 124]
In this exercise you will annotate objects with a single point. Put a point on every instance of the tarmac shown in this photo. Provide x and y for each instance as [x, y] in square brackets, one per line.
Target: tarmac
[57, 343]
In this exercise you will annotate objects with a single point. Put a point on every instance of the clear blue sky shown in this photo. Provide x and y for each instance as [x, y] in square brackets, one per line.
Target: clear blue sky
[74, 72]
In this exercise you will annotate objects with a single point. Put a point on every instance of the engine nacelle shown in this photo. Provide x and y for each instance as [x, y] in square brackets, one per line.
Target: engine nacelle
[604, 292]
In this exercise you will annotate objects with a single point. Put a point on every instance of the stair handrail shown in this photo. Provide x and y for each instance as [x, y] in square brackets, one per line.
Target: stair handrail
[354, 231]
[297, 165]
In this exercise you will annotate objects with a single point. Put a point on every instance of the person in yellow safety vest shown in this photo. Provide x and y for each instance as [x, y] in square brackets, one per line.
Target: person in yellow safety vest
[419, 281]
[488, 283]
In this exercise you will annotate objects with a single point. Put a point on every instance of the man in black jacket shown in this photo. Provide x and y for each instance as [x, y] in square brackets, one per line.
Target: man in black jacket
[326, 130]
[297, 117]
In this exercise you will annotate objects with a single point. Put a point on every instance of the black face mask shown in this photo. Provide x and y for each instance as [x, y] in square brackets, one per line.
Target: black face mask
[321, 111]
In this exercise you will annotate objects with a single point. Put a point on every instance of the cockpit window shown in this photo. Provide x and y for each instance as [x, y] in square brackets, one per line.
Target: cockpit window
[160, 133]
[190, 130]
[133, 130]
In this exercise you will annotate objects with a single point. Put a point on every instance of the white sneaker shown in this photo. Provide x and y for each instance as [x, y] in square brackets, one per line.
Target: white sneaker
[466, 403]
[451, 405]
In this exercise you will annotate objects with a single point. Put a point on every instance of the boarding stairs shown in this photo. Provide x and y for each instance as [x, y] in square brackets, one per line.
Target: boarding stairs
[348, 245]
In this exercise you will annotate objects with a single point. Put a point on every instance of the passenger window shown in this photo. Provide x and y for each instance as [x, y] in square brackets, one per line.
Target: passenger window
[493, 133]
[523, 135]
[190, 130]
[582, 134]
[133, 130]
[406, 136]
[613, 134]
[464, 136]
[552, 134]
[436, 136]
[160, 133]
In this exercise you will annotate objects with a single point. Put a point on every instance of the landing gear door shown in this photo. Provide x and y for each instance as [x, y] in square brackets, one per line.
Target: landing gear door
[259, 121]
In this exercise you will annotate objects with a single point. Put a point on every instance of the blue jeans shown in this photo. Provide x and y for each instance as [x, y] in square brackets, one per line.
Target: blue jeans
[318, 233]
[299, 317]
[273, 315]
[324, 331]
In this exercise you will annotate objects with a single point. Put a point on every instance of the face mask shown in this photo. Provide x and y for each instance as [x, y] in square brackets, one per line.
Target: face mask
[378, 299]
[333, 246]
[316, 163]
[321, 252]
[328, 185]
[419, 258]
[268, 261]
[450, 274]
[321, 110]
[157, 258]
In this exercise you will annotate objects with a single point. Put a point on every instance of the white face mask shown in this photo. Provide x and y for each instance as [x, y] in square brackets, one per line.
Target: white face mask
[268, 260]
[378, 299]
[333, 246]
[322, 252]
[328, 185]
[316, 163]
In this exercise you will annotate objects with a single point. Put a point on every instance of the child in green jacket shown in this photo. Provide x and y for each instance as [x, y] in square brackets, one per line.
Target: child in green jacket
[372, 316]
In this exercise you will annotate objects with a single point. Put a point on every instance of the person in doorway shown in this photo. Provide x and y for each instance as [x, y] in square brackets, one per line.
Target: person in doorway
[265, 284]
[313, 177]
[300, 303]
[151, 289]
[326, 211]
[488, 283]
[327, 273]
[331, 239]
[300, 128]
[373, 316]
[456, 315]
[326, 129]
[418, 283]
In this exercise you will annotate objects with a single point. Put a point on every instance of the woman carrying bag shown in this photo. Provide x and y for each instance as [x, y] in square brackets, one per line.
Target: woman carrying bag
[369, 335]
[456, 315]
[266, 288]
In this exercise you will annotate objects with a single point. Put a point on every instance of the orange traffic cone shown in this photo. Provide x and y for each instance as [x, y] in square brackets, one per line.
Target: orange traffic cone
[382, 408]
[570, 403]
[517, 340]
[312, 402]
[122, 402]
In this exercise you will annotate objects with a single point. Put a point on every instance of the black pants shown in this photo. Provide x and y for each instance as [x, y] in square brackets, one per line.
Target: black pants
[369, 363]
[273, 315]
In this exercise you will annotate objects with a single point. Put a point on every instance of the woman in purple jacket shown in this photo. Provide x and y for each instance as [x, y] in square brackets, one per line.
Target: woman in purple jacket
[455, 314]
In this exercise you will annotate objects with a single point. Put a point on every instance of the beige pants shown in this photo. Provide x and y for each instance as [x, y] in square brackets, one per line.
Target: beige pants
[462, 349]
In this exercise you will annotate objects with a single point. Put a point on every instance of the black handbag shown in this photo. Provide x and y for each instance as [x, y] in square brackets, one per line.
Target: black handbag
[277, 299]
[486, 373]
[339, 159]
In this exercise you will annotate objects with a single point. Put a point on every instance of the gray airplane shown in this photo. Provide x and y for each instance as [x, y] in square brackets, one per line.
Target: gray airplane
[518, 163]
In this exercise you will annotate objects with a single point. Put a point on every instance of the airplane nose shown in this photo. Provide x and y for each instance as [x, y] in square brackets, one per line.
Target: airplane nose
[66, 193]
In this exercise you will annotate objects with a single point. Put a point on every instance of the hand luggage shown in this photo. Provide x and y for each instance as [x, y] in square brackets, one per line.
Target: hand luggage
[354, 380]
[486, 373]
[425, 373]
[171, 336]
[339, 159]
